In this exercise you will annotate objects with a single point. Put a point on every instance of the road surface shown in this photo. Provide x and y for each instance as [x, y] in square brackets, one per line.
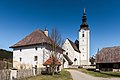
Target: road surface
[77, 75]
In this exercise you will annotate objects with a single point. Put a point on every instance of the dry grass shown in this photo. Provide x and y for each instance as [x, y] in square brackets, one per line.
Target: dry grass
[63, 75]
[101, 74]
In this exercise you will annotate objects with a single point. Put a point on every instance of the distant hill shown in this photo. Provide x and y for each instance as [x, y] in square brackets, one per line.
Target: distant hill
[5, 59]
[4, 54]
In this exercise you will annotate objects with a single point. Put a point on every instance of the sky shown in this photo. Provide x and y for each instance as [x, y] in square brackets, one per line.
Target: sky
[18, 18]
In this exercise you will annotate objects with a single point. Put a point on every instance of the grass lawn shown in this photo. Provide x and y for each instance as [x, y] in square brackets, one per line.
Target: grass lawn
[101, 74]
[63, 75]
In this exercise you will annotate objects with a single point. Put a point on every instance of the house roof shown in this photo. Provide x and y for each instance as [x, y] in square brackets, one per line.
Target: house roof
[51, 60]
[36, 37]
[68, 59]
[74, 45]
[108, 55]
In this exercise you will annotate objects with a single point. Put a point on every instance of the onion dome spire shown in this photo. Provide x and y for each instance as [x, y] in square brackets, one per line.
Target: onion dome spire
[84, 24]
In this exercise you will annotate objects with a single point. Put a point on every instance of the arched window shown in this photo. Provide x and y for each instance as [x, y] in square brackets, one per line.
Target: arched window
[36, 48]
[75, 59]
[20, 59]
[35, 58]
[66, 53]
[20, 50]
[83, 35]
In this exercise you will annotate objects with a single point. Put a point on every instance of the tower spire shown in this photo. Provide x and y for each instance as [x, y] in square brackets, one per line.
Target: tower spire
[84, 24]
[84, 11]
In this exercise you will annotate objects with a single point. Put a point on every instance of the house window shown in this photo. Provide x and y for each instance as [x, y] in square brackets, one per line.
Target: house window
[35, 58]
[36, 48]
[20, 50]
[20, 59]
[83, 35]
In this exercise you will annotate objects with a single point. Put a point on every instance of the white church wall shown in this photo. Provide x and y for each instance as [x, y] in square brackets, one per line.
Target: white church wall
[72, 54]
[66, 64]
[84, 46]
[77, 56]
[68, 48]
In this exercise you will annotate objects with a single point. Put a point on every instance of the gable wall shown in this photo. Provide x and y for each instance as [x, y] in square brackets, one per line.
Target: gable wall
[72, 54]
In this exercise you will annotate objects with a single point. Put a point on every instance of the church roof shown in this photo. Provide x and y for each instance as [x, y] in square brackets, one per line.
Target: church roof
[36, 37]
[74, 45]
[77, 43]
[108, 55]
[68, 59]
[52, 60]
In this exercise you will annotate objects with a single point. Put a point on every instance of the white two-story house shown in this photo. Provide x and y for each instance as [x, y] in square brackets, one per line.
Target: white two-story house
[33, 50]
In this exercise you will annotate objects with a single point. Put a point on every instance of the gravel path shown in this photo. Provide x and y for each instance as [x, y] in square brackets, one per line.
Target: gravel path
[77, 75]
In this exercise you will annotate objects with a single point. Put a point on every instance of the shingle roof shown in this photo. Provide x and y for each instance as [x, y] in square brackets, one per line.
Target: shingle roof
[36, 37]
[108, 55]
[77, 43]
[68, 59]
[73, 45]
[51, 60]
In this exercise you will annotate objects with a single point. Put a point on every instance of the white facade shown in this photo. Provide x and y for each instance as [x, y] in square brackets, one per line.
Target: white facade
[33, 50]
[71, 53]
[84, 47]
[83, 54]
[24, 57]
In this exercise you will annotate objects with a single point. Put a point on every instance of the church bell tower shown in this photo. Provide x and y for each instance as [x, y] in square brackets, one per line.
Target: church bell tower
[84, 41]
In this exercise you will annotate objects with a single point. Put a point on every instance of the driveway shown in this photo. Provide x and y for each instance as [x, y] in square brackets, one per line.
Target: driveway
[77, 75]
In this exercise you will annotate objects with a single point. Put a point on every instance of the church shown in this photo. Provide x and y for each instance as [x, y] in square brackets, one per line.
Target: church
[37, 47]
[77, 53]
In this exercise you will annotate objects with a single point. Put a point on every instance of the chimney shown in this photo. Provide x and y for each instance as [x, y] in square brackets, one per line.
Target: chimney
[46, 32]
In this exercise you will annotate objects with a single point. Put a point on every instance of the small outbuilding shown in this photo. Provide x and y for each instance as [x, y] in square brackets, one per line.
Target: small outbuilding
[108, 59]
[52, 62]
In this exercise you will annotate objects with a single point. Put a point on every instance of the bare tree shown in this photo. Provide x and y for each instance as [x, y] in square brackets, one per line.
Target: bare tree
[56, 44]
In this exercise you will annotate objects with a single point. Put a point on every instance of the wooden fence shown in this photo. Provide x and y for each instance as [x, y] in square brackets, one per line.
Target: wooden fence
[5, 74]
[18, 74]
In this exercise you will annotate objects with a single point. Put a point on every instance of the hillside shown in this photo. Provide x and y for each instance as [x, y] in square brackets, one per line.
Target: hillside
[5, 59]
[4, 54]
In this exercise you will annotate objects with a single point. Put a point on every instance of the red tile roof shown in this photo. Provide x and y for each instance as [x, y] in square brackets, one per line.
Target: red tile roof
[51, 60]
[36, 37]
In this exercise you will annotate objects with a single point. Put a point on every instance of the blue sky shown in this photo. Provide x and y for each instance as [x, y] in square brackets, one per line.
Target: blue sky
[19, 18]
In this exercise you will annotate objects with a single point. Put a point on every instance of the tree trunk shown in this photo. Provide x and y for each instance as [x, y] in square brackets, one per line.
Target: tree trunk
[53, 67]
[53, 71]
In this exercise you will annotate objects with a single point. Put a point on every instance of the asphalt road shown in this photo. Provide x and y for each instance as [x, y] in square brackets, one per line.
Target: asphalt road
[77, 75]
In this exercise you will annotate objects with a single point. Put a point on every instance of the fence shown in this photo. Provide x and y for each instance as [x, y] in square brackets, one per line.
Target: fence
[18, 74]
[24, 73]
[5, 74]
[5, 65]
